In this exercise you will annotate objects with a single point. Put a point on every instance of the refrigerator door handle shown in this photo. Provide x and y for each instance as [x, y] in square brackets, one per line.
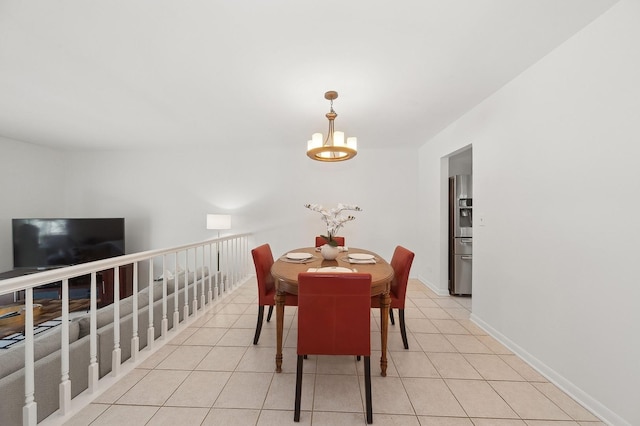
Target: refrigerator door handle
[466, 240]
[466, 257]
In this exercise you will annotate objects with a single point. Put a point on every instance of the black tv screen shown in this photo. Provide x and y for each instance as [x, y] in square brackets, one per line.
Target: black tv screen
[52, 243]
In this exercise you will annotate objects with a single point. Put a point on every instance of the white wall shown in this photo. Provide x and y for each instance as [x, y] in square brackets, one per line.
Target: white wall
[165, 194]
[31, 185]
[556, 181]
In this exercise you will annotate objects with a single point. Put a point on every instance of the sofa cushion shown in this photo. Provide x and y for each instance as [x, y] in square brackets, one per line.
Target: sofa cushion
[192, 275]
[47, 378]
[12, 359]
[143, 298]
[104, 316]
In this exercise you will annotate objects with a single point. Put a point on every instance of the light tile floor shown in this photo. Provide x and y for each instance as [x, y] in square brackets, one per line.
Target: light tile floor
[453, 374]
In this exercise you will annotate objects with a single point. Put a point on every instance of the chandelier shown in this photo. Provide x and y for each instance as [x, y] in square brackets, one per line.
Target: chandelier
[334, 147]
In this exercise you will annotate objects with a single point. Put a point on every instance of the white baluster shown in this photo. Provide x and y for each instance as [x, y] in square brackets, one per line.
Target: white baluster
[194, 303]
[135, 339]
[221, 270]
[93, 337]
[227, 270]
[187, 275]
[116, 357]
[30, 409]
[218, 283]
[237, 261]
[65, 383]
[176, 292]
[211, 272]
[165, 320]
[203, 281]
[151, 330]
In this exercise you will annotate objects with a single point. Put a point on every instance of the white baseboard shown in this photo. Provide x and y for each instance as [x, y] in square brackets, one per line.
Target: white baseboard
[433, 287]
[583, 398]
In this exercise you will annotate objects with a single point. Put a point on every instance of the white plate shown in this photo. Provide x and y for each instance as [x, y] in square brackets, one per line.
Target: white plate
[299, 256]
[361, 256]
[333, 269]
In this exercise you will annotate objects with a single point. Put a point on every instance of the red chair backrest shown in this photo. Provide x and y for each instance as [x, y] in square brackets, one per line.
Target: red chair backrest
[334, 314]
[320, 241]
[401, 264]
[263, 260]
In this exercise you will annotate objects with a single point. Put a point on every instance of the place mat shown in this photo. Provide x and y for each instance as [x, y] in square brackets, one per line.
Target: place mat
[358, 261]
[361, 256]
[286, 259]
[298, 256]
[331, 269]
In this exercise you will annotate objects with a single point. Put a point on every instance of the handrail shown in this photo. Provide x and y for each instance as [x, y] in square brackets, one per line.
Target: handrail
[58, 274]
[212, 268]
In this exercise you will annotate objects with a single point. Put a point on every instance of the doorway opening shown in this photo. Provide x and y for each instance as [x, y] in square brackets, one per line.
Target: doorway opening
[459, 222]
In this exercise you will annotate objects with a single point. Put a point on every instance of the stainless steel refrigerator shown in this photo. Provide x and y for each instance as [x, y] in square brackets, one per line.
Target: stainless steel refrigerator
[460, 234]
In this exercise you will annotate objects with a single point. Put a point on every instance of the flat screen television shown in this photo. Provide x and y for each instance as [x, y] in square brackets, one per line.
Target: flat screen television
[52, 243]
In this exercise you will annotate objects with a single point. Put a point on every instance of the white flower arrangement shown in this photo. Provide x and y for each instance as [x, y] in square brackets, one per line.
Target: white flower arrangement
[333, 218]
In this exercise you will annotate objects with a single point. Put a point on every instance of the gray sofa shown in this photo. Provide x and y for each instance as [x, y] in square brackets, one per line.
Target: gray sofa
[47, 349]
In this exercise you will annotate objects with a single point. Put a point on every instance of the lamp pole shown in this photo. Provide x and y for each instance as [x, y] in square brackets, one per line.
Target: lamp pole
[218, 222]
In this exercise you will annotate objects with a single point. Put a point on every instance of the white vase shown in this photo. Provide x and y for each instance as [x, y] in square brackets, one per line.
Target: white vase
[329, 252]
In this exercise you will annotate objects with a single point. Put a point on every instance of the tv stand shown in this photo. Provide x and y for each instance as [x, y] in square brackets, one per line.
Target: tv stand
[106, 284]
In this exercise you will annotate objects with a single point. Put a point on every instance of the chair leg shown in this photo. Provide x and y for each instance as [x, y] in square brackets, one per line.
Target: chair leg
[270, 312]
[259, 325]
[296, 409]
[367, 388]
[393, 321]
[403, 330]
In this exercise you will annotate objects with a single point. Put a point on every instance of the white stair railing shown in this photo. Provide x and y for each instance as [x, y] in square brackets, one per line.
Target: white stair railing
[210, 269]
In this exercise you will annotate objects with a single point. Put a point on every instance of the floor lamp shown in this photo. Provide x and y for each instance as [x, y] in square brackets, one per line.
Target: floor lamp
[218, 222]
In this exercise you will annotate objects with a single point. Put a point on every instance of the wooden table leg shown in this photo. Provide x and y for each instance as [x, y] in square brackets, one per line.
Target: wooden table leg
[280, 298]
[385, 302]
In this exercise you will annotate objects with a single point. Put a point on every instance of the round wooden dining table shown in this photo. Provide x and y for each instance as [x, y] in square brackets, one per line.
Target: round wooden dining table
[285, 272]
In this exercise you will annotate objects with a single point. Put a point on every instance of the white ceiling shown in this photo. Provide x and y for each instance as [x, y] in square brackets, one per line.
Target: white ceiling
[79, 74]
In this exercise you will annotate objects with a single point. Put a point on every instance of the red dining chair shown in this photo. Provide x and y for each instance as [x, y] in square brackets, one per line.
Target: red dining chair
[334, 318]
[263, 260]
[320, 241]
[401, 264]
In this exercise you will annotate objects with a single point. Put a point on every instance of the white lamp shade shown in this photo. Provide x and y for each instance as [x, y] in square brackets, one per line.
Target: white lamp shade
[316, 139]
[218, 221]
[338, 138]
[352, 143]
